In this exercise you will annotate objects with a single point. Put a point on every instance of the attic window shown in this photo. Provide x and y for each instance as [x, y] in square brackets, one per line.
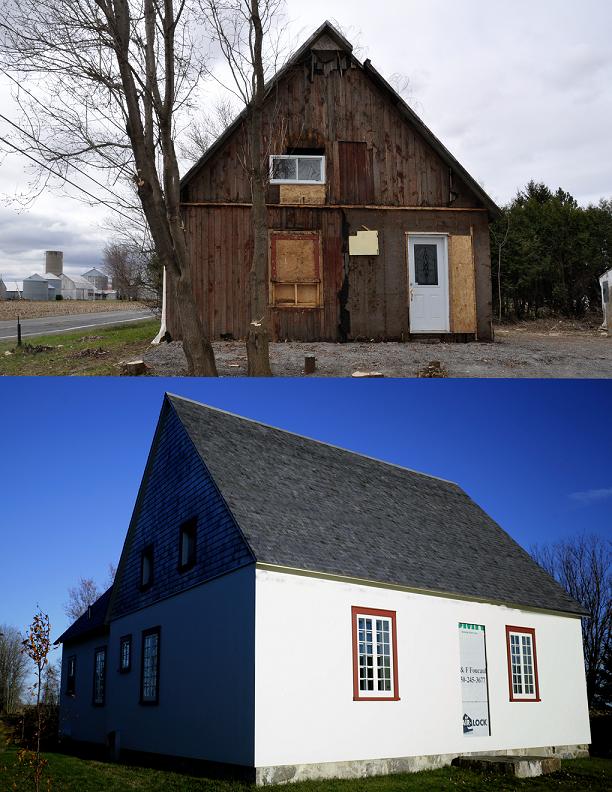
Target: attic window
[374, 655]
[146, 568]
[522, 664]
[297, 169]
[187, 545]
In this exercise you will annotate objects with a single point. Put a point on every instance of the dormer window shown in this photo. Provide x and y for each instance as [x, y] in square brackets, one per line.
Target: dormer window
[297, 169]
[146, 568]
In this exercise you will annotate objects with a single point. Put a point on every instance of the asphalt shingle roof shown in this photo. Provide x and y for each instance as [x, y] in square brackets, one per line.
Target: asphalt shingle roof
[91, 622]
[305, 504]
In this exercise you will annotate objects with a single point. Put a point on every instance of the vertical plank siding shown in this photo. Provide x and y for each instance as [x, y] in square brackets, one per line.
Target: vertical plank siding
[374, 156]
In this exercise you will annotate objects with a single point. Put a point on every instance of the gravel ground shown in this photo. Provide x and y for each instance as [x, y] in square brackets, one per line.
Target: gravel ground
[27, 309]
[516, 352]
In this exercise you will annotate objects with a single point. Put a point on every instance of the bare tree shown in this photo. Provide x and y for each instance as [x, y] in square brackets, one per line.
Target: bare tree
[51, 685]
[101, 84]
[206, 128]
[80, 597]
[13, 670]
[583, 566]
[132, 268]
[248, 35]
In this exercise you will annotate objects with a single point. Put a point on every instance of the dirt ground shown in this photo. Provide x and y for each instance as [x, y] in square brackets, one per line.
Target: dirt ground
[538, 349]
[27, 309]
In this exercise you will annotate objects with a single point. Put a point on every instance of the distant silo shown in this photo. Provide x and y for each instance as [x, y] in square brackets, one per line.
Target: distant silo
[54, 262]
[35, 288]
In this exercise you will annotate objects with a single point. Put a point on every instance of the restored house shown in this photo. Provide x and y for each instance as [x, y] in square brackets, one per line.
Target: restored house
[376, 231]
[296, 610]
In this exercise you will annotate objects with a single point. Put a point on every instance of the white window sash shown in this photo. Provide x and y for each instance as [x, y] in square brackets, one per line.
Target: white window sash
[376, 693]
[296, 157]
[523, 666]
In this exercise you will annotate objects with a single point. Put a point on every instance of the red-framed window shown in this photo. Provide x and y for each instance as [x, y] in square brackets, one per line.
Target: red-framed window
[374, 655]
[522, 664]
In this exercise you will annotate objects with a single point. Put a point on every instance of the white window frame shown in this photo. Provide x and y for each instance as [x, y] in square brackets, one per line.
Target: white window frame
[297, 157]
[373, 616]
[523, 636]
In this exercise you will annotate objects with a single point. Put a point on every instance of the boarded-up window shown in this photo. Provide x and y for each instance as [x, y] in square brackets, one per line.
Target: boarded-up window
[356, 179]
[462, 284]
[295, 271]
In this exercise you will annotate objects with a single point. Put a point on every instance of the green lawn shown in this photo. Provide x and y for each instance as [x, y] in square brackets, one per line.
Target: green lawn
[95, 352]
[70, 774]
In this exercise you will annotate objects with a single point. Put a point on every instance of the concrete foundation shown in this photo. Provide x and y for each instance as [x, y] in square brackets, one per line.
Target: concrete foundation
[517, 766]
[408, 764]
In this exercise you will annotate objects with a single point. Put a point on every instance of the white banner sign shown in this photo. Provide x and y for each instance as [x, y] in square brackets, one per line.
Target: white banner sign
[474, 687]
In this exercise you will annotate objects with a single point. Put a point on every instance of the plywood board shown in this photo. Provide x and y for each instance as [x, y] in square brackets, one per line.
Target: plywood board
[295, 259]
[462, 284]
[307, 194]
[363, 243]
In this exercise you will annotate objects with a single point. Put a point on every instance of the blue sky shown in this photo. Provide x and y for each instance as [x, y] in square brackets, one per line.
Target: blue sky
[534, 454]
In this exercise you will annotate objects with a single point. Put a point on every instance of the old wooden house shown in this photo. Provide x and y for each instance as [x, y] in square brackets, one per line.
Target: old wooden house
[376, 231]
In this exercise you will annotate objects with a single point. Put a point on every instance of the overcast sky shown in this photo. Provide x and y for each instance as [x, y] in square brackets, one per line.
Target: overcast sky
[515, 90]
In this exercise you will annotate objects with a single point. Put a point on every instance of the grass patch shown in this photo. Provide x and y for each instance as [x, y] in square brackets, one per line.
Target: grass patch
[95, 353]
[70, 774]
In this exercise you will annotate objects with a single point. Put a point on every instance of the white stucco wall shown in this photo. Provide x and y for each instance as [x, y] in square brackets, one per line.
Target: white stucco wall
[78, 718]
[206, 707]
[304, 708]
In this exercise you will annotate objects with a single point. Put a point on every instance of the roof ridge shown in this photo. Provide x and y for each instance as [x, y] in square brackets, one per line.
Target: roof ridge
[318, 442]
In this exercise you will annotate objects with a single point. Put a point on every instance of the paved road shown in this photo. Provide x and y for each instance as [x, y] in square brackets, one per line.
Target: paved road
[50, 325]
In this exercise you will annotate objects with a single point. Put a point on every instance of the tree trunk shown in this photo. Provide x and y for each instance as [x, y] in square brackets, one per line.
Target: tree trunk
[258, 352]
[198, 349]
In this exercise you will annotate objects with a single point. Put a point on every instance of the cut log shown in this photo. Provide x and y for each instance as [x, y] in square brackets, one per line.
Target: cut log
[133, 368]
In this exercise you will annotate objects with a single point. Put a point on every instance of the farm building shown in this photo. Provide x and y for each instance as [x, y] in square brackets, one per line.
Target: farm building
[99, 279]
[14, 290]
[37, 288]
[296, 610]
[2, 290]
[605, 283]
[76, 287]
[376, 231]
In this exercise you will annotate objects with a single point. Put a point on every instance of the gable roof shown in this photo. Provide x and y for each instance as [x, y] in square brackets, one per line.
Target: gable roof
[327, 29]
[92, 622]
[310, 506]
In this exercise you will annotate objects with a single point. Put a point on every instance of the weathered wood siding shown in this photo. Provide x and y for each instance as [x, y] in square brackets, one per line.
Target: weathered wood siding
[338, 112]
[364, 297]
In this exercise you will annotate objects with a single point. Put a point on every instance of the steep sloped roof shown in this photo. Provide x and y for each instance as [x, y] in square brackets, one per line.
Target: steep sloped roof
[304, 504]
[91, 622]
[327, 29]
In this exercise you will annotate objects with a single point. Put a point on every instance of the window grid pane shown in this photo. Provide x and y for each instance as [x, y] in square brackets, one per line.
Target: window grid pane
[517, 677]
[100, 660]
[149, 680]
[125, 654]
[527, 664]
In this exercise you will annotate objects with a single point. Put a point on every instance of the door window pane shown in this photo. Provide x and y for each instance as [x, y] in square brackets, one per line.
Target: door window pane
[426, 265]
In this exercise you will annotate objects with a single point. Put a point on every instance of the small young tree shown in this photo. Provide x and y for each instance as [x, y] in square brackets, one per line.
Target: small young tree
[36, 646]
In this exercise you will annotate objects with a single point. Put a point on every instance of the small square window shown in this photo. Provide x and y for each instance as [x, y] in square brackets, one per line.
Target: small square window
[146, 568]
[71, 676]
[125, 654]
[187, 545]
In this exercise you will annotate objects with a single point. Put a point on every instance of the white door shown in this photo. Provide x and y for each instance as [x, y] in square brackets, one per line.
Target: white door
[428, 283]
